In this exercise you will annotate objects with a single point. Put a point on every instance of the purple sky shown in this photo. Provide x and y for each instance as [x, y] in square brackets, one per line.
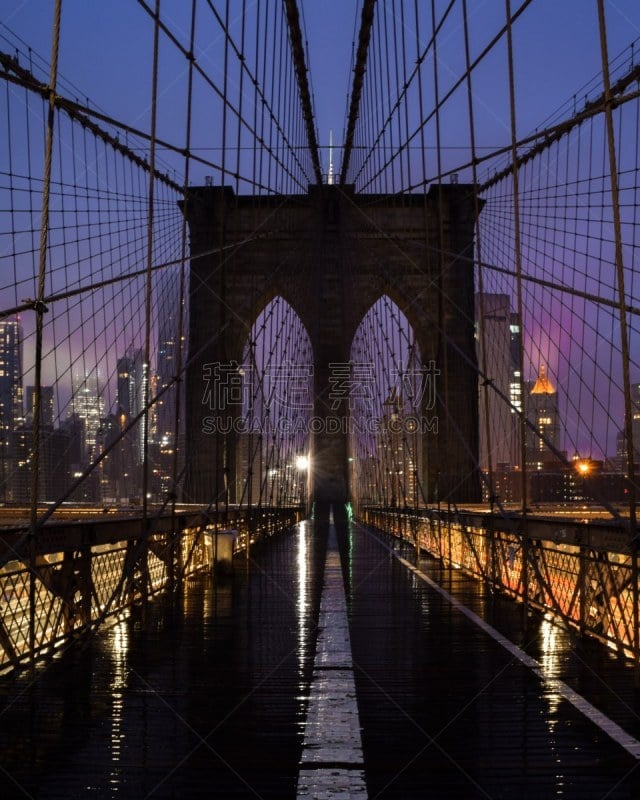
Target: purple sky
[105, 56]
[105, 53]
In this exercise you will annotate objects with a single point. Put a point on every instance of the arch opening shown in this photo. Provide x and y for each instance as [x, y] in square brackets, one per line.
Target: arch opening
[277, 403]
[390, 392]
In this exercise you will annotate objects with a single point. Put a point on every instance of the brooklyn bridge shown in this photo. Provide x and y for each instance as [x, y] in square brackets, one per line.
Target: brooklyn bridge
[319, 399]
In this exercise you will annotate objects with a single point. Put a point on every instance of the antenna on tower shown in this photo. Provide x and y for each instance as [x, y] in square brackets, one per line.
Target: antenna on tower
[330, 175]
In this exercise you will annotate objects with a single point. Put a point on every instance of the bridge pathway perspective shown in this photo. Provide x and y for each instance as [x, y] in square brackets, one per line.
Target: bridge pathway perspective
[305, 675]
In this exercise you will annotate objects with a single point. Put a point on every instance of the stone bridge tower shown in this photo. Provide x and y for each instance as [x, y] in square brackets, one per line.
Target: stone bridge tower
[332, 254]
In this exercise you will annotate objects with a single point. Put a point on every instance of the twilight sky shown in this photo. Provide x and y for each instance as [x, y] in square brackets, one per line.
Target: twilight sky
[106, 54]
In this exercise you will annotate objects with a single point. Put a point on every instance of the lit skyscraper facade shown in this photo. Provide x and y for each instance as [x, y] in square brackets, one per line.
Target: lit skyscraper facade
[46, 405]
[134, 382]
[88, 405]
[11, 397]
[515, 386]
[167, 364]
[621, 441]
[542, 412]
[494, 356]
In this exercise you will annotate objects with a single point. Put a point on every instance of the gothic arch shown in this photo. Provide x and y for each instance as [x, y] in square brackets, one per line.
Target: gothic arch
[331, 256]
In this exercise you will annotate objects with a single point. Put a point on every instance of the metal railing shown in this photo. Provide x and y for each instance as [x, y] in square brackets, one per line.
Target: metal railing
[75, 576]
[582, 572]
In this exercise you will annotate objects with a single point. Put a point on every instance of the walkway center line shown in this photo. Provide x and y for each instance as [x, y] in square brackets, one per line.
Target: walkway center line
[332, 759]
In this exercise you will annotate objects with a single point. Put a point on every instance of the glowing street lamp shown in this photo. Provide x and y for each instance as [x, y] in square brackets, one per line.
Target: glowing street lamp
[302, 465]
[583, 467]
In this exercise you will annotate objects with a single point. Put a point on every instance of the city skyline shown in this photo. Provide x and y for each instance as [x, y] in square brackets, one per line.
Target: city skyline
[89, 418]
[556, 331]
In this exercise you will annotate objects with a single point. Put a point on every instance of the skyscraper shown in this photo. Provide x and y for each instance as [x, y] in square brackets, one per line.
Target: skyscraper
[168, 343]
[493, 312]
[168, 359]
[399, 452]
[542, 412]
[515, 387]
[11, 410]
[46, 405]
[133, 382]
[88, 405]
[126, 385]
[621, 440]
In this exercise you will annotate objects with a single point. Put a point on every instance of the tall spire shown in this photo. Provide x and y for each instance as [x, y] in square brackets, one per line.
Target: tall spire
[330, 175]
[543, 385]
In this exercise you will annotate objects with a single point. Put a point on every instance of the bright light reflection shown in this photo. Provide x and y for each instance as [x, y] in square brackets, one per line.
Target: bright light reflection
[119, 651]
[303, 594]
[549, 661]
[551, 647]
[302, 463]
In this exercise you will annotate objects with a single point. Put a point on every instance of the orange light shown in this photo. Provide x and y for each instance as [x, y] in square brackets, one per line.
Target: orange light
[584, 468]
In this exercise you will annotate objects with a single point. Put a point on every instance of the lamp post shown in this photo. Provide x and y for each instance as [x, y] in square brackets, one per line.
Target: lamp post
[302, 465]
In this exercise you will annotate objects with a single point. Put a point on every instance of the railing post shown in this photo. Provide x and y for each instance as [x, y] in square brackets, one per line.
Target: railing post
[525, 575]
[144, 569]
[86, 584]
[32, 602]
[636, 609]
[171, 554]
[492, 553]
[582, 589]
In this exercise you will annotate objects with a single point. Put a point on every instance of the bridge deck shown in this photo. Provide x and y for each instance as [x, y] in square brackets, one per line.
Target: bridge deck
[248, 689]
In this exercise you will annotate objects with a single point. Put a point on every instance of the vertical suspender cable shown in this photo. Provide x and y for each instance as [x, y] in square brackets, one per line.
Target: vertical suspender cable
[476, 211]
[387, 129]
[427, 487]
[182, 289]
[256, 50]
[397, 186]
[225, 100]
[228, 458]
[241, 95]
[279, 111]
[40, 309]
[518, 258]
[295, 33]
[406, 101]
[481, 297]
[146, 373]
[378, 102]
[358, 78]
[262, 82]
[443, 347]
[624, 332]
[271, 102]
[39, 306]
